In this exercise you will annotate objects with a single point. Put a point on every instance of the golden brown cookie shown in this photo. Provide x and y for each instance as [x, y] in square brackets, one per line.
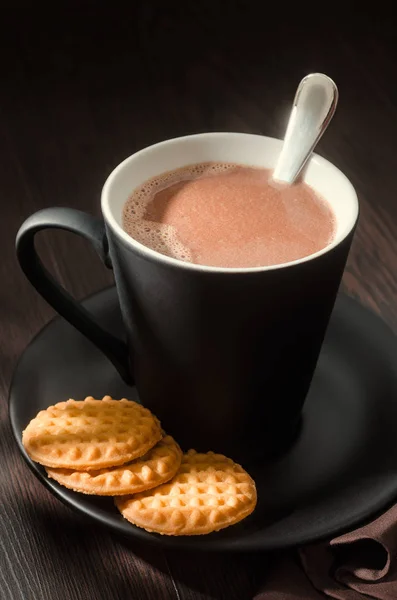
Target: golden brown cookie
[154, 468]
[91, 434]
[208, 493]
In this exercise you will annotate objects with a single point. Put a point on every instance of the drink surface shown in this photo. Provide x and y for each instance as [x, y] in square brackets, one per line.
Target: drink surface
[228, 215]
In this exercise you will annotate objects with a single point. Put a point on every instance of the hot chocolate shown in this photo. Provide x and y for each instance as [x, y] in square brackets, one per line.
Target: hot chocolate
[228, 215]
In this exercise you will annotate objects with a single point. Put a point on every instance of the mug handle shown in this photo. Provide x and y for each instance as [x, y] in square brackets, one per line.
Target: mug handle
[93, 229]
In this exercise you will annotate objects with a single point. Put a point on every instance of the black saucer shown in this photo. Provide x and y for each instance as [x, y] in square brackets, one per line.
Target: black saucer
[341, 470]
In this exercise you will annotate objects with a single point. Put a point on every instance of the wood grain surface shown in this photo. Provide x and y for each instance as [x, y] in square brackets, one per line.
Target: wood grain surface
[83, 85]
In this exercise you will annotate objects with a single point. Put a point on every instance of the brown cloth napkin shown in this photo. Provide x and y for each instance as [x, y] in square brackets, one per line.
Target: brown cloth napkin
[355, 566]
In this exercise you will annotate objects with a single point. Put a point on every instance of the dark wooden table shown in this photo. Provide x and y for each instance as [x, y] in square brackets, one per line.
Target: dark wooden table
[84, 85]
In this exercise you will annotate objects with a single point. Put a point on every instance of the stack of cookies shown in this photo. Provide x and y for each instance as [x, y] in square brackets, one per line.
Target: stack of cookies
[117, 448]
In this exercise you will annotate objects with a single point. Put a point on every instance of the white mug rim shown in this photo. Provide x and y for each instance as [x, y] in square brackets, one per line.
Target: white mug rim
[148, 253]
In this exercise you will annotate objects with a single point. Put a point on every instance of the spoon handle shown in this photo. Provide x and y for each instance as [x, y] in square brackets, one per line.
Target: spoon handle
[313, 108]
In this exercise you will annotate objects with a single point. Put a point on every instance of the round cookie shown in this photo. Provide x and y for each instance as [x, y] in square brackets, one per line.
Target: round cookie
[91, 434]
[208, 493]
[154, 468]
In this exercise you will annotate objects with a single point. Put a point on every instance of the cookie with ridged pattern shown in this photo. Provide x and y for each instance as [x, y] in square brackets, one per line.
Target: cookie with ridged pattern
[154, 468]
[208, 493]
[91, 434]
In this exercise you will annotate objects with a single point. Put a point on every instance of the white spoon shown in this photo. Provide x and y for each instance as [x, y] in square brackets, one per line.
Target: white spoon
[313, 108]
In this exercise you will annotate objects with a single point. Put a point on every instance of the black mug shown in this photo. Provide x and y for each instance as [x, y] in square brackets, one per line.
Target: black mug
[223, 356]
